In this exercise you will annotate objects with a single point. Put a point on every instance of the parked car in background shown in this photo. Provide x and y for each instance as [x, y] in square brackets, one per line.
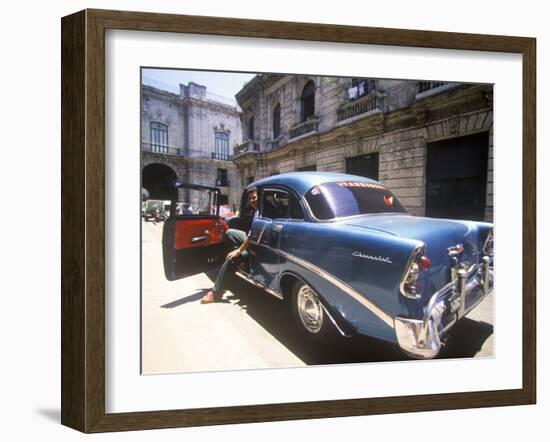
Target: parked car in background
[156, 210]
[346, 256]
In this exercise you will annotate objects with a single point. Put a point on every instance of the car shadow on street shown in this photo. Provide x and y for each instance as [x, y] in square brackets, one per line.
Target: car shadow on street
[275, 317]
[466, 339]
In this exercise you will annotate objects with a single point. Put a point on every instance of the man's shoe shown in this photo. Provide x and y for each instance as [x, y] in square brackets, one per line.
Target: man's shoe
[210, 297]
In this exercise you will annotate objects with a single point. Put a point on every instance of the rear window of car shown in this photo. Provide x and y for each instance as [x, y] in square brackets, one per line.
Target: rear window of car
[348, 198]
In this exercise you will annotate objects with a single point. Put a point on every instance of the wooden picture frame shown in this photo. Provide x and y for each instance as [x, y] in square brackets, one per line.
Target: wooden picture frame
[83, 220]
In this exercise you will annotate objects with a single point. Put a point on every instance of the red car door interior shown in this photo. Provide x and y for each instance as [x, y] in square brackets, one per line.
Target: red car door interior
[193, 244]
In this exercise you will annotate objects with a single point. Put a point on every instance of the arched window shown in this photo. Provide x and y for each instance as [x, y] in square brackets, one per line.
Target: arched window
[277, 121]
[308, 100]
[251, 128]
[159, 137]
[222, 146]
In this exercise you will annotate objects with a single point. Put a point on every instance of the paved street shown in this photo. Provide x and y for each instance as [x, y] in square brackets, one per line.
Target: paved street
[251, 329]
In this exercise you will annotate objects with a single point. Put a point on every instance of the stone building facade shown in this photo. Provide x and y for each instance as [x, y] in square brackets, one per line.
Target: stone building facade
[190, 137]
[431, 143]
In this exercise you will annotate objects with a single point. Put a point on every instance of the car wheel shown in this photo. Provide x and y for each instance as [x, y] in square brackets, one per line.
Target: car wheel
[309, 314]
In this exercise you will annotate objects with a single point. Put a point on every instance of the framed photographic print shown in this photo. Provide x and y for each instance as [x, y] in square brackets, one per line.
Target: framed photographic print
[269, 221]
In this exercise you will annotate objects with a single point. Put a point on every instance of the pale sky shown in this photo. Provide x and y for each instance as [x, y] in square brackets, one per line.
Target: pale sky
[225, 84]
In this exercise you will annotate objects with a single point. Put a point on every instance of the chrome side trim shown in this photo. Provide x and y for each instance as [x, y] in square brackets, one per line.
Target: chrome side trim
[381, 314]
[335, 323]
[259, 285]
[262, 232]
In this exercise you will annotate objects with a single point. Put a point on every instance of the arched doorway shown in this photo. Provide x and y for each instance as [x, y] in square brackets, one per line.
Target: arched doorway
[158, 180]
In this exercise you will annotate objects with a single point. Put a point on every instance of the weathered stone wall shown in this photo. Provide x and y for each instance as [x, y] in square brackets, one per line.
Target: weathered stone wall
[204, 119]
[399, 132]
[192, 122]
[162, 107]
[204, 171]
[197, 171]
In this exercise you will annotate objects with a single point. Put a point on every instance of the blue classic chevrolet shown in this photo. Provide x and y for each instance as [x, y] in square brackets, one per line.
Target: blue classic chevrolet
[346, 256]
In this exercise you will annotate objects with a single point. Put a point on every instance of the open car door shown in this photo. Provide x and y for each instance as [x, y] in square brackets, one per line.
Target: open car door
[193, 241]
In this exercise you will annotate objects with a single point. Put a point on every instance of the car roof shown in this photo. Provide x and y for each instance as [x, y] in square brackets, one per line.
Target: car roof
[301, 182]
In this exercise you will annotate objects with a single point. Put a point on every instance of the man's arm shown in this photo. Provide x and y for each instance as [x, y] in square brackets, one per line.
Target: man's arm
[244, 245]
[236, 253]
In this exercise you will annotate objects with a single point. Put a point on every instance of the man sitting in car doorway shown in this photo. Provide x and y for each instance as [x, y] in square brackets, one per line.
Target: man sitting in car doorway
[237, 240]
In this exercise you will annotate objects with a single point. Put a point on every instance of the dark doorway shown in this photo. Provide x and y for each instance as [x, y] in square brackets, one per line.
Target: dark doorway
[456, 177]
[307, 168]
[251, 128]
[224, 199]
[158, 179]
[277, 121]
[308, 100]
[363, 165]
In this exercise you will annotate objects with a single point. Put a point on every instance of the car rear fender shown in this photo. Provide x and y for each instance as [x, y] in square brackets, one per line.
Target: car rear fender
[288, 279]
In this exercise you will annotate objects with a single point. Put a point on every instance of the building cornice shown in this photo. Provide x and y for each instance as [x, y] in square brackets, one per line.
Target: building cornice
[177, 98]
[208, 103]
[160, 93]
[258, 84]
[456, 102]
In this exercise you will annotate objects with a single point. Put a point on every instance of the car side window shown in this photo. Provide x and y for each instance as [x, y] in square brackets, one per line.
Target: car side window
[280, 204]
[296, 211]
[275, 204]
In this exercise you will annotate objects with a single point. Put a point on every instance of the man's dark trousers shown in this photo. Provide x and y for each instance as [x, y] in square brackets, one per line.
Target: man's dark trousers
[234, 239]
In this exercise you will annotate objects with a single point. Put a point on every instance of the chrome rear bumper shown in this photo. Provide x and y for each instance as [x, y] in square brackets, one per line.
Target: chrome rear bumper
[422, 338]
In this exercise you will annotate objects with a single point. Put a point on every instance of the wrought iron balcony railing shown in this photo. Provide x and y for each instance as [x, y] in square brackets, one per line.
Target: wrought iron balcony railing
[310, 125]
[221, 156]
[368, 103]
[247, 146]
[163, 149]
[274, 143]
[180, 152]
[424, 86]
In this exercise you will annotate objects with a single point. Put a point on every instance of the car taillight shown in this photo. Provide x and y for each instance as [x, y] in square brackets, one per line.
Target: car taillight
[424, 263]
[410, 287]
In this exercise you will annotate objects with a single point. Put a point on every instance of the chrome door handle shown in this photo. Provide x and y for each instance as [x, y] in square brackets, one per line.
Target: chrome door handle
[277, 227]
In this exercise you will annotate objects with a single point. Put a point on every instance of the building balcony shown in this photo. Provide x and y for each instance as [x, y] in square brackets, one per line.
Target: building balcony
[424, 86]
[303, 128]
[162, 149]
[363, 105]
[249, 146]
[274, 143]
[221, 156]
[187, 153]
[428, 88]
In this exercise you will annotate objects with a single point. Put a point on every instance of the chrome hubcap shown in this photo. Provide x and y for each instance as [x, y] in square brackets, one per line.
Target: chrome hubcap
[310, 310]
